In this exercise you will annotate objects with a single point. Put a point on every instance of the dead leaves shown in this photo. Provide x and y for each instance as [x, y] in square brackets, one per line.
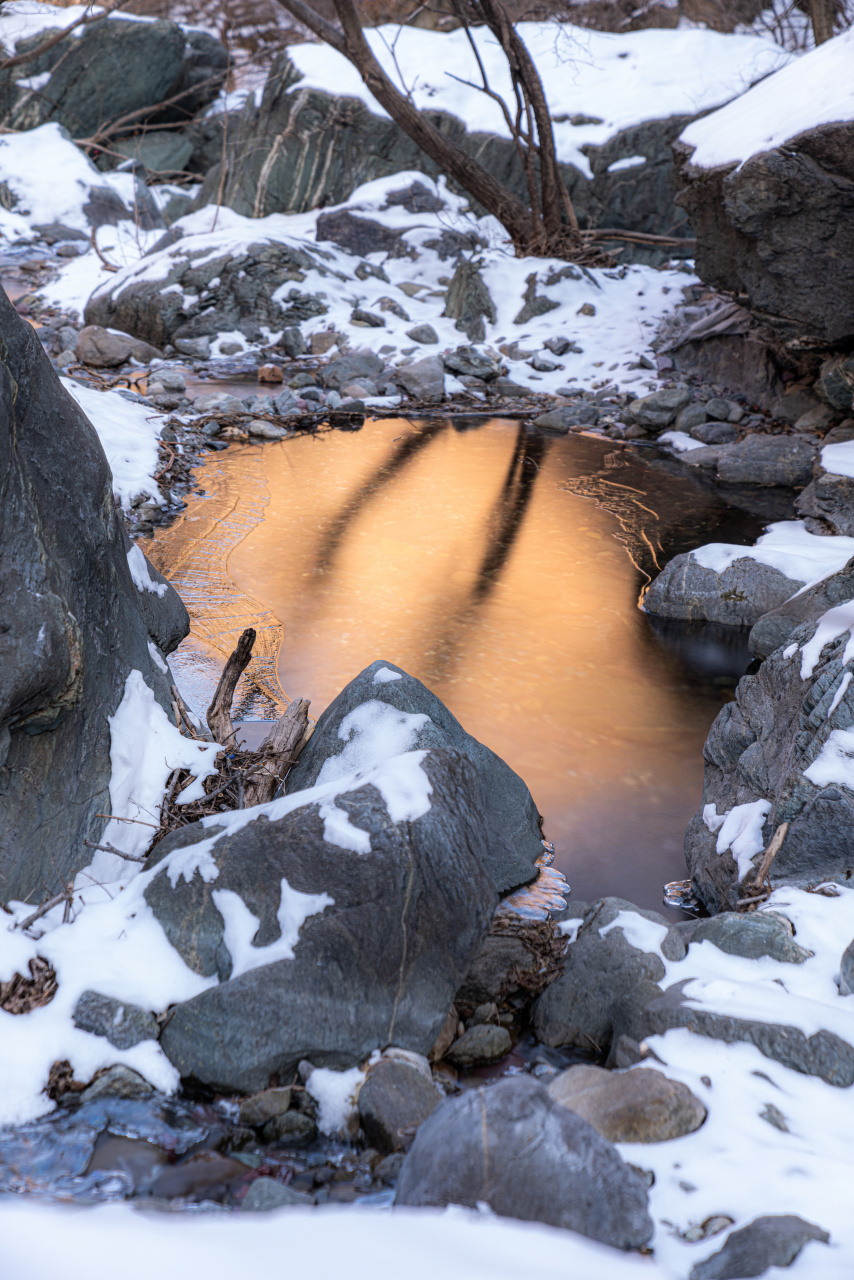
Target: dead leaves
[22, 995]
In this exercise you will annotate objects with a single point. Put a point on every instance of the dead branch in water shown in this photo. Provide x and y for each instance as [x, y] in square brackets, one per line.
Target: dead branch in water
[277, 753]
[219, 712]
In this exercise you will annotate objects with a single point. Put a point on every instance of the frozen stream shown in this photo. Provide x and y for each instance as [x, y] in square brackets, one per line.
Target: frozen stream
[501, 568]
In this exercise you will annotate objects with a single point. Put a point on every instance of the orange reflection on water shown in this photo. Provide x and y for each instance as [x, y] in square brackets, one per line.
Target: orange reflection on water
[457, 556]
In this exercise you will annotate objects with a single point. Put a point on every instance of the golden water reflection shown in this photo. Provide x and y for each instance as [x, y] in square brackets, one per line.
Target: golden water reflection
[458, 556]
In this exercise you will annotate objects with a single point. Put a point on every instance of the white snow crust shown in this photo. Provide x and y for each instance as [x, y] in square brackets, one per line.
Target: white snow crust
[618, 79]
[739, 831]
[140, 575]
[128, 433]
[838, 459]
[680, 441]
[832, 624]
[789, 547]
[335, 1092]
[810, 91]
[241, 926]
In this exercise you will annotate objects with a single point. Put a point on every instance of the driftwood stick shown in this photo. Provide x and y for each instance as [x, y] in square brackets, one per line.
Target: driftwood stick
[770, 853]
[45, 907]
[277, 752]
[115, 817]
[219, 712]
[186, 713]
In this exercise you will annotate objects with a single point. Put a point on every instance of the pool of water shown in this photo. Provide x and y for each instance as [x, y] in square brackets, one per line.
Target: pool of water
[504, 570]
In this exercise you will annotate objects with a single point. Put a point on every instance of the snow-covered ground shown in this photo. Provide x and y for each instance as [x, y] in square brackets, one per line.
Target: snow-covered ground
[612, 80]
[813, 90]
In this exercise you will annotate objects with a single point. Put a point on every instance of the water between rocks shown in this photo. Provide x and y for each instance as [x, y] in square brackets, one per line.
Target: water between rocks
[501, 567]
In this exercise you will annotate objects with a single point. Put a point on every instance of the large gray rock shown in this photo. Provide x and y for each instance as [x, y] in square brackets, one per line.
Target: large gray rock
[738, 596]
[358, 364]
[392, 932]
[659, 409]
[104, 349]
[768, 460]
[510, 818]
[160, 152]
[773, 1241]
[181, 291]
[113, 68]
[823, 1054]
[512, 1147]
[774, 629]
[423, 380]
[309, 150]
[72, 623]
[629, 1106]
[762, 747]
[606, 984]
[758, 225]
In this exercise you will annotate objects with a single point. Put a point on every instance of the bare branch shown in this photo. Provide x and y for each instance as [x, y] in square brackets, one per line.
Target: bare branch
[52, 41]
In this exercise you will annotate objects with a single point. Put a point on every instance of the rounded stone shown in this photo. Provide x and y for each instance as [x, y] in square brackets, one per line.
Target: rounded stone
[480, 1046]
[292, 1129]
[629, 1106]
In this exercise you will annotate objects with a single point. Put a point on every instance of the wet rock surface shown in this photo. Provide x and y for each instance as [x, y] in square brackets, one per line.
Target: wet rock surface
[512, 1147]
[774, 629]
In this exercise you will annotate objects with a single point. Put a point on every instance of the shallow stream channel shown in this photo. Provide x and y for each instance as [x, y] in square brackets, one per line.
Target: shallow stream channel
[503, 568]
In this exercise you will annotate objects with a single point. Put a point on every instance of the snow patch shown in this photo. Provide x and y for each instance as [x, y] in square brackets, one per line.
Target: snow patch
[142, 579]
[385, 675]
[813, 90]
[739, 831]
[241, 926]
[335, 1092]
[789, 548]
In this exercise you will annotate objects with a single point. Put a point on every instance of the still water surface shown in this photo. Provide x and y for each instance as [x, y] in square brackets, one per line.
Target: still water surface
[503, 569]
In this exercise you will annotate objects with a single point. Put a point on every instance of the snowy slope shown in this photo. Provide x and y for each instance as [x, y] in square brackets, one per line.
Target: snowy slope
[618, 79]
[813, 90]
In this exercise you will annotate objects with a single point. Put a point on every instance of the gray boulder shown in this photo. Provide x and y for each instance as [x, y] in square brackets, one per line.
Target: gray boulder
[180, 291]
[265, 1194]
[629, 1106]
[510, 818]
[567, 417]
[104, 349]
[757, 225]
[762, 748]
[512, 1147]
[774, 629]
[124, 1025]
[738, 596]
[715, 433]
[480, 1046]
[112, 68]
[359, 364]
[72, 623]
[659, 409]
[753, 936]
[469, 362]
[394, 1100]
[768, 460]
[424, 334]
[823, 1054]
[160, 151]
[827, 504]
[773, 1241]
[357, 235]
[469, 302]
[390, 934]
[606, 984]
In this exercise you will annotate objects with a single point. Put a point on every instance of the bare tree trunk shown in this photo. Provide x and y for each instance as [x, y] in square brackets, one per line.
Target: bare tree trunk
[823, 17]
[537, 231]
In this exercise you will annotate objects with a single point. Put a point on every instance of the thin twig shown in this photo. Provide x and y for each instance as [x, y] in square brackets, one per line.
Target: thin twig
[45, 907]
[116, 818]
[108, 266]
[108, 848]
[770, 853]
